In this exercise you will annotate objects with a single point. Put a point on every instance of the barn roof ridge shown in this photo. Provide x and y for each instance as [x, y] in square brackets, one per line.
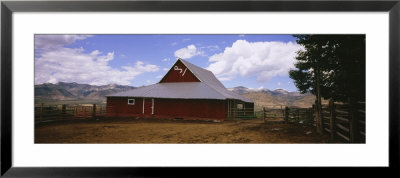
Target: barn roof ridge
[202, 74]
[212, 81]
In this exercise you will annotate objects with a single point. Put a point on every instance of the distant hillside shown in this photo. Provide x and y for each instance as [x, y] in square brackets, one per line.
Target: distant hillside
[73, 91]
[265, 97]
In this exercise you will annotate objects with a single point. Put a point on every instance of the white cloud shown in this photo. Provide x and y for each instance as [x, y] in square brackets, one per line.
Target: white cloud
[224, 78]
[74, 65]
[149, 82]
[186, 39]
[174, 43]
[261, 59]
[56, 41]
[210, 48]
[56, 63]
[279, 83]
[165, 69]
[159, 76]
[241, 35]
[166, 59]
[122, 55]
[188, 52]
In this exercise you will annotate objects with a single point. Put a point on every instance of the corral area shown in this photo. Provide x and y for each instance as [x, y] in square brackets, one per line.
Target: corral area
[139, 130]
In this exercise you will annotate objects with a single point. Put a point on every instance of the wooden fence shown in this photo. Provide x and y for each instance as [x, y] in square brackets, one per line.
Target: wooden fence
[238, 114]
[344, 123]
[60, 112]
[287, 115]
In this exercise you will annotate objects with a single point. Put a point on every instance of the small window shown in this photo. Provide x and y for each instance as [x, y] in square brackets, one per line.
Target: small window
[240, 106]
[131, 101]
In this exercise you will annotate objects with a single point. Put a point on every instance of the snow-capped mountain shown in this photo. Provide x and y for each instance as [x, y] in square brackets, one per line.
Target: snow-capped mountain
[263, 97]
[75, 91]
[243, 90]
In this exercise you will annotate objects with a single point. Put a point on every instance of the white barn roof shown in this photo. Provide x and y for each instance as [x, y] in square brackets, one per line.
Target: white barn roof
[209, 87]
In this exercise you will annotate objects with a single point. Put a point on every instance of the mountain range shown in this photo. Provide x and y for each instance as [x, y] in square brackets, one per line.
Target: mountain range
[243, 90]
[62, 91]
[265, 97]
[80, 93]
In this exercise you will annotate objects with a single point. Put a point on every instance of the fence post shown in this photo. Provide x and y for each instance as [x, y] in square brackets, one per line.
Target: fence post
[286, 114]
[94, 111]
[318, 118]
[313, 113]
[264, 114]
[63, 111]
[354, 124]
[315, 117]
[321, 119]
[41, 112]
[332, 119]
[309, 115]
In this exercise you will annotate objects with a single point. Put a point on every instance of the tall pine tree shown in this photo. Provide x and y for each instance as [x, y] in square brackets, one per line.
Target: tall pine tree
[332, 67]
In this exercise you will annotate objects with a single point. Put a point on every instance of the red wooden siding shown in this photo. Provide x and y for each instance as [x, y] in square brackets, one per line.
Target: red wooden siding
[118, 107]
[190, 109]
[148, 104]
[167, 108]
[179, 75]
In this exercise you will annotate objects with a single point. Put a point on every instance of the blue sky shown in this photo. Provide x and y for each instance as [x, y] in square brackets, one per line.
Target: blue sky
[253, 61]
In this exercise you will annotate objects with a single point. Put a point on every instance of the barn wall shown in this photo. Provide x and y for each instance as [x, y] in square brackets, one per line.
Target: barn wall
[176, 75]
[190, 108]
[118, 107]
[168, 108]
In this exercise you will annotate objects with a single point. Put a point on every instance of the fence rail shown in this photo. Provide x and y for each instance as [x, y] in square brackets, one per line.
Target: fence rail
[60, 112]
[286, 114]
[344, 122]
[244, 113]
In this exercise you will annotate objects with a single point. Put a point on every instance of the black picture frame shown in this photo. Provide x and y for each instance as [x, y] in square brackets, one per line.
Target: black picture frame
[8, 7]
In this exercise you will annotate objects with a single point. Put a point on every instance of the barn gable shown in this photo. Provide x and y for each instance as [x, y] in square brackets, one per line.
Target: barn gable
[203, 75]
[179, 72]
[207, 77]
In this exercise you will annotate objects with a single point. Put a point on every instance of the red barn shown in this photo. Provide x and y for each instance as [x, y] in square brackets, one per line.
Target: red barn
[185, 92]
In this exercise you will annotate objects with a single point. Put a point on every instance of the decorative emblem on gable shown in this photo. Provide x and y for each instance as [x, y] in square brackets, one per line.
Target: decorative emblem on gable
[177, 68]
[179, 72]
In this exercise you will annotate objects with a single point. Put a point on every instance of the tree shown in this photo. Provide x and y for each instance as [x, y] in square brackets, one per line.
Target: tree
[349, 69]
[332, 67]
[310, 66]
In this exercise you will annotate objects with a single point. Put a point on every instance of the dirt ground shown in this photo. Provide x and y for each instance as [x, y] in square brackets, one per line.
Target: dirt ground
[174, 131]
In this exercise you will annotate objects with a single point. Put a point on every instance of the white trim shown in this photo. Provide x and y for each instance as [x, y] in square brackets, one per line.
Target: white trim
[143, 106]
[170, 70]
[179, 59]
[191, 70]
[152, 106]
[177, 68]
[184, 72]
[130, 103]
[238, 104]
